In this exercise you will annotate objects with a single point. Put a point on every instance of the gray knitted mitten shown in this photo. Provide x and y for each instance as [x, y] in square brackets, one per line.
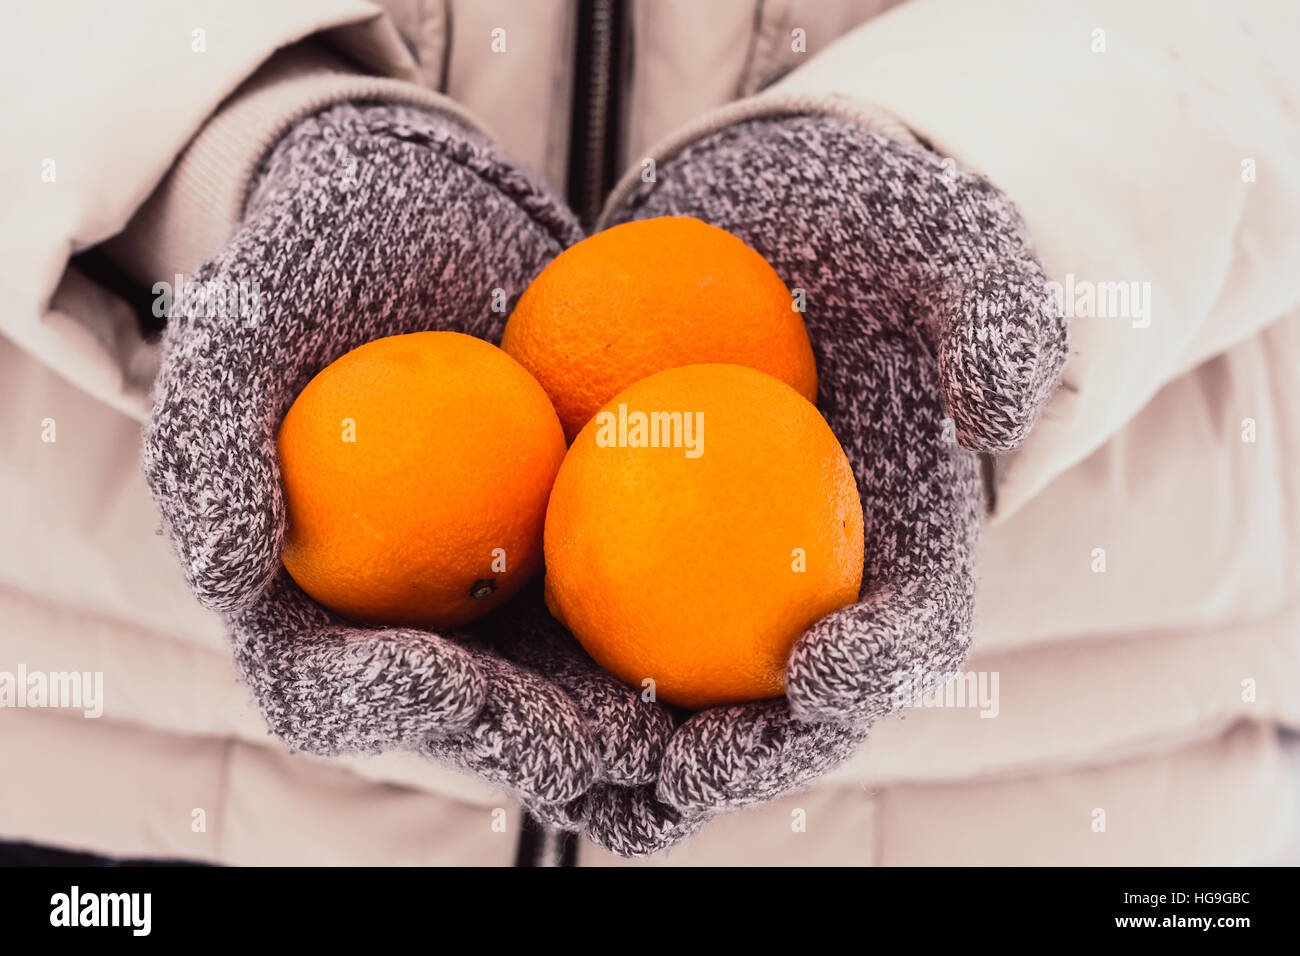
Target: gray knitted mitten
[928, 314]
[367, 221]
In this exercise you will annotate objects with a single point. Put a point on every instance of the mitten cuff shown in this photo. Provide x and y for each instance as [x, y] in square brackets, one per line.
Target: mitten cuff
[196, 208]
[763, 106]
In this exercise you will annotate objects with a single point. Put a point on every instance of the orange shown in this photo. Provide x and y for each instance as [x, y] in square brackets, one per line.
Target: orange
[652, 295]
[698, 564]
[416, 470]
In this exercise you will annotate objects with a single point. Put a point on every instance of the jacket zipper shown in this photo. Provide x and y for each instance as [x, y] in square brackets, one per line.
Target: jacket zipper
[597, 81]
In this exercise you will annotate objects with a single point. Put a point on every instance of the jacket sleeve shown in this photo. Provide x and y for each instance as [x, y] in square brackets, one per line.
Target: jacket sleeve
[1152, 150]
[145, 124]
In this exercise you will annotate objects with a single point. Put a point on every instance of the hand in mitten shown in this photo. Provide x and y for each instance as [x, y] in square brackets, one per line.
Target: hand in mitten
[928, 314]
[368, 221]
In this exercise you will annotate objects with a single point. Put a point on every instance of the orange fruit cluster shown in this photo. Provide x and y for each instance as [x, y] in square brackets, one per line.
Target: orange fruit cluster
[703, 517]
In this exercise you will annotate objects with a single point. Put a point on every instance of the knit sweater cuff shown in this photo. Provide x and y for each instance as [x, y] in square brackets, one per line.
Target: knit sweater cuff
[197, 206]
[764, 105]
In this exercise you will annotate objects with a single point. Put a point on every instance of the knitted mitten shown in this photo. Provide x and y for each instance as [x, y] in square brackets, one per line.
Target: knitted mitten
[367, 221]
[928, 314]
